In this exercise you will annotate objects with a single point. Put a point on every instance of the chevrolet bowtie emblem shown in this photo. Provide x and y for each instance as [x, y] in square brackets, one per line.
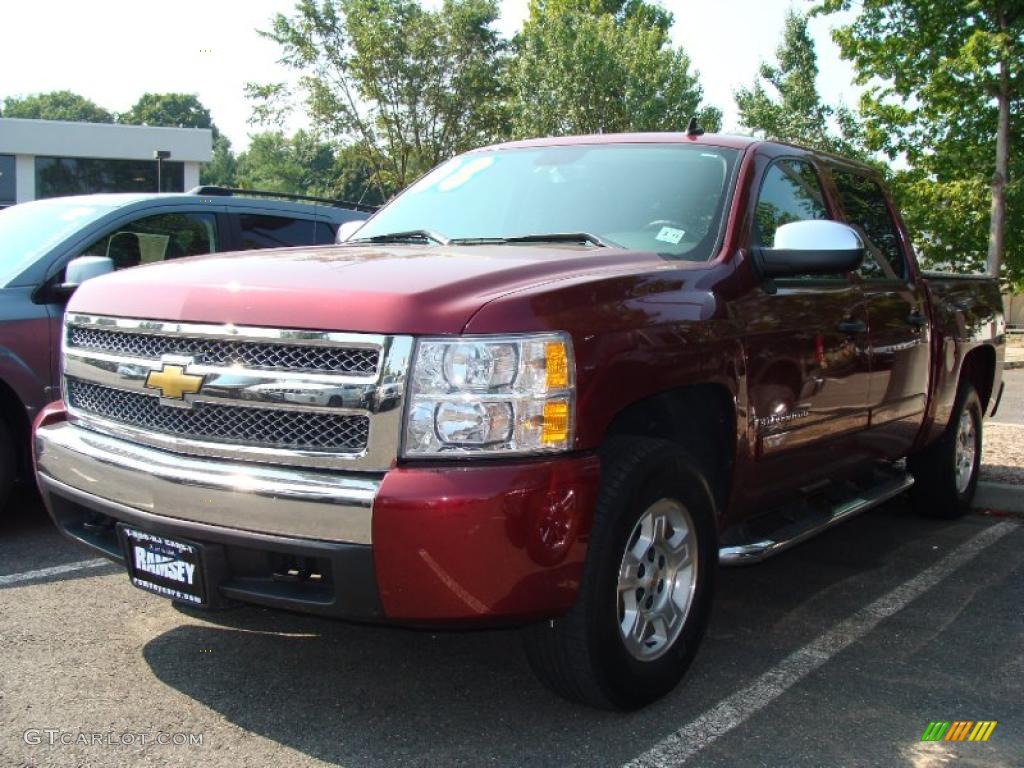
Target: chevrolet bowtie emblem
[173, 382]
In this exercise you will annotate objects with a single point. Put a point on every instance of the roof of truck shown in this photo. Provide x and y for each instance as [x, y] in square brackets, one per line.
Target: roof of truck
[709, 139]
[726, 140]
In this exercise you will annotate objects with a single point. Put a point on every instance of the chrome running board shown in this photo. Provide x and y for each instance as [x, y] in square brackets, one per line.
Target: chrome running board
[800, 530]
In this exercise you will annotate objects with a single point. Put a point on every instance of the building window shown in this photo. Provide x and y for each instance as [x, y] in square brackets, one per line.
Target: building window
[57, 176]
[8, 191]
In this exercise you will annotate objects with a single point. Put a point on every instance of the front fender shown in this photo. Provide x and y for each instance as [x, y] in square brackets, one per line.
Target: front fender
[23, 381]
[634, 335]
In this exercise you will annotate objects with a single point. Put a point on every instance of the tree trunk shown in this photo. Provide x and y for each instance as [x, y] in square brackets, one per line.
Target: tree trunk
[997, 225]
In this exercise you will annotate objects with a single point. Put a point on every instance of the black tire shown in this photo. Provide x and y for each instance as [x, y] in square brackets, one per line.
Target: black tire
[8, 463]
[582, 656]
[935, 492]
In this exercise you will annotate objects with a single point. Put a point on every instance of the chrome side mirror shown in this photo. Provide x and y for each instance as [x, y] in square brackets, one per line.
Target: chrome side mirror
[346, 230]
[817, 247]
[84, 268]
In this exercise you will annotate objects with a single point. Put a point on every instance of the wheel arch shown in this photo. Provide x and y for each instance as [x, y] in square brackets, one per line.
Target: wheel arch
[700, 418]
[12, 411]
[979, 368]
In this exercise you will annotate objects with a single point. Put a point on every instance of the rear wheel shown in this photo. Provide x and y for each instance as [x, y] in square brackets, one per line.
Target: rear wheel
[946, 473]
[645, 596]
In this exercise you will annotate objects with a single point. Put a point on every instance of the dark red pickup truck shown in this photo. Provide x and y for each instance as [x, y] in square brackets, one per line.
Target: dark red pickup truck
[555, 383]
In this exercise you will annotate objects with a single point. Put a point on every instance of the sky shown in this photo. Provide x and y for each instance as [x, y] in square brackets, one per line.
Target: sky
[112, 51]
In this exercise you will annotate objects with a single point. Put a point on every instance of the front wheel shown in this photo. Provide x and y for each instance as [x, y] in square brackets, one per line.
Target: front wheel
[645, 596]
[946, 472]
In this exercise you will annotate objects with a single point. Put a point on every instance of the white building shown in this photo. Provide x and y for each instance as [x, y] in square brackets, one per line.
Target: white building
[1013, 306]
[49, 158]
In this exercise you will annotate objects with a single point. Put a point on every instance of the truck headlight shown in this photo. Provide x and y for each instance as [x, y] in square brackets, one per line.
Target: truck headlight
[491, 395]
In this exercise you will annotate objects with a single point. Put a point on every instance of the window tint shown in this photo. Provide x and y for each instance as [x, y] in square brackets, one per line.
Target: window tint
[156, 238]
[866, 210]
[325, 233]
[790, 192]
[275, 231]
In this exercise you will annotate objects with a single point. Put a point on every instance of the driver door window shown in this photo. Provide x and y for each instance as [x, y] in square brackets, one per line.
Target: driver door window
[790, 192]
[157, 238]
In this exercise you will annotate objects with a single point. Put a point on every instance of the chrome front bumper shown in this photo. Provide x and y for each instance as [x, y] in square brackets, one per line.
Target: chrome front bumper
[328, 506]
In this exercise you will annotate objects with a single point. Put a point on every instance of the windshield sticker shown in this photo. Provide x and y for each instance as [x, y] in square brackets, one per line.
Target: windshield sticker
[670, 235]
[465, 173]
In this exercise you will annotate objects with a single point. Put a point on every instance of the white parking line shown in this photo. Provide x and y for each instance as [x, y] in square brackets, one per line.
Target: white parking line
[680, 746]
[57, 570]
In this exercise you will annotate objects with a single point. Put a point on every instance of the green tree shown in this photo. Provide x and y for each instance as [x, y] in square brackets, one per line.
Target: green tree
[410, 86]
[305, 165]
[353, 177]
[945, 87]
[783, 104]
[185, 110]
[221, 168]
[272, 163]
[181, 110]
[56, 105]
[599, 66]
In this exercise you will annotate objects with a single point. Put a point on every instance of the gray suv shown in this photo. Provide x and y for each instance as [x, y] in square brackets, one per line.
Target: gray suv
[48, 246]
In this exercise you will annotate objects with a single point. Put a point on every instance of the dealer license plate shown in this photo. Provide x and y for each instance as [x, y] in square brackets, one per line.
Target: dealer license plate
[164, 566]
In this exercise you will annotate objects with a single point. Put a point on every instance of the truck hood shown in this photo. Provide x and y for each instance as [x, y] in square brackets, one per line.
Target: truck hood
[377, 289]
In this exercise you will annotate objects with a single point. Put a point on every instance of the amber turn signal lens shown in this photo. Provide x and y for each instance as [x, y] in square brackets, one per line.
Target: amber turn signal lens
[557, 365]
[556, 422]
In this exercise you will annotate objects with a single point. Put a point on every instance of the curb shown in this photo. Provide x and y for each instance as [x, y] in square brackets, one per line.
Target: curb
[1010, 365]
[1004, 497]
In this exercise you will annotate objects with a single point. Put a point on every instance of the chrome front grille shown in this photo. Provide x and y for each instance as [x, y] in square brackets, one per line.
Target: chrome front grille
[305, 398]
[298, 430]
[248, 354]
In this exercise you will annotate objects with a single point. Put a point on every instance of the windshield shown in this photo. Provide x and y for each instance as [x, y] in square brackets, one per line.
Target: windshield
[652, 197]
[29, 230]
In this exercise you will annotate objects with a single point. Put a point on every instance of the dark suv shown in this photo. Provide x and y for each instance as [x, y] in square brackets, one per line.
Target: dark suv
[38, 240]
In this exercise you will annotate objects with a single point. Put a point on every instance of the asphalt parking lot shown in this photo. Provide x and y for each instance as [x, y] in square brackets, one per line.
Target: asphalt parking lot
[839, 652]
[1011, 407]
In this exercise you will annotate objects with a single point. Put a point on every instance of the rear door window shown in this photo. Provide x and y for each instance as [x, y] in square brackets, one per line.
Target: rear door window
[325, 233]
[866, 211]
[264, 231]
[158, 238]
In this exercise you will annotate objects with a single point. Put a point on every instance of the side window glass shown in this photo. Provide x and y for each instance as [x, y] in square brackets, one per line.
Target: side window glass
[260, 231]
[156, 238]
[325, 233]
[866, 210]
[790, 192]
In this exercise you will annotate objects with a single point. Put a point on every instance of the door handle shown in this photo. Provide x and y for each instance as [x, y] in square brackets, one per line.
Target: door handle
[853, 326]
[917, 319]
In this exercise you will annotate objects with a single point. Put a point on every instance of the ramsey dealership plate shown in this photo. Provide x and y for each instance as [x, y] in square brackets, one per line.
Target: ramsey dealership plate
[164, 566]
